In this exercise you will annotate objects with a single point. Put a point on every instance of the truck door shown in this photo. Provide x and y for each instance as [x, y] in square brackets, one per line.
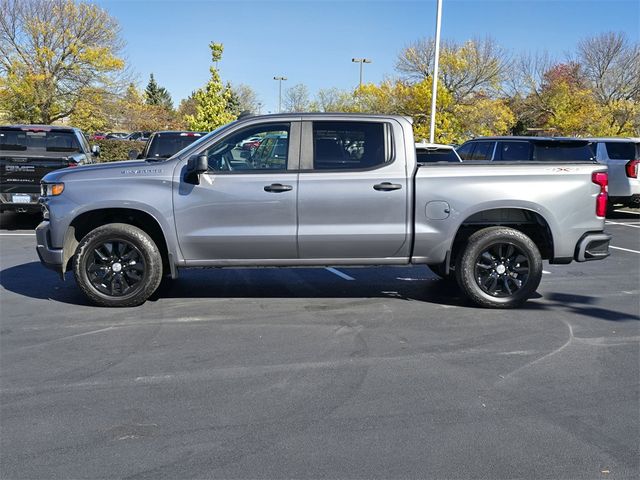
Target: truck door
[353, 195]
[245, 206]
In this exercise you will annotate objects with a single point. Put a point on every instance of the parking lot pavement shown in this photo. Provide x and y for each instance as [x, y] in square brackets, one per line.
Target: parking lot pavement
[319, 373]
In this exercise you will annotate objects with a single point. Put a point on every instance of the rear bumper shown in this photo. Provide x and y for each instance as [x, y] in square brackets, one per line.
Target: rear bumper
[49, 257]
[592, 246]
[7, 203]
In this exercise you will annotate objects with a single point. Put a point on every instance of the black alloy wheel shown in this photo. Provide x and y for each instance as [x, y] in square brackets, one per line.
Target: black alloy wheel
[502, 269]
[116, 268]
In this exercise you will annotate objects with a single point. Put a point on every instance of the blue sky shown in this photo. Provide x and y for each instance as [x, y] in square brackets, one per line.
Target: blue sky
[313, 41]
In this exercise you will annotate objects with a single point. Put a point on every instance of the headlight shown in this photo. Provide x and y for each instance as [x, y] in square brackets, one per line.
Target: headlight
[51, 189]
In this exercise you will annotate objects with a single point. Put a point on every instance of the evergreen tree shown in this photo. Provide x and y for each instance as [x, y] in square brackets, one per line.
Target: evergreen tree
[213, 101]
[157, 95]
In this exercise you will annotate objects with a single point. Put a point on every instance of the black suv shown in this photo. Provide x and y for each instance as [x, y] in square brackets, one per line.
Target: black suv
[537, 149]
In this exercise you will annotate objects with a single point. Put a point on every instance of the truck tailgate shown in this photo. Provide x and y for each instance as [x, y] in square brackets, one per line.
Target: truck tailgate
[23, 174]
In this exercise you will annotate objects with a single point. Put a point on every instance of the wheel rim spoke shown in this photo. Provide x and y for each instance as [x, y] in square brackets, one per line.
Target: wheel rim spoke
[502, 269]
[116, 268]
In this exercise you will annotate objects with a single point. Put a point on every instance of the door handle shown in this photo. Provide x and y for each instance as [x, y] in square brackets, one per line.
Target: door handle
[387, 186]
[277, 188]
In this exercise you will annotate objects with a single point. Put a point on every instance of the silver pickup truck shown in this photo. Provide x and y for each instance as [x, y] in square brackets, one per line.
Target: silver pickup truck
[319, 190]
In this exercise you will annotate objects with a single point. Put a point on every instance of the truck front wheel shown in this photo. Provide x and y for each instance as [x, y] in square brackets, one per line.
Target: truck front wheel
[499, 268]
[117, 265]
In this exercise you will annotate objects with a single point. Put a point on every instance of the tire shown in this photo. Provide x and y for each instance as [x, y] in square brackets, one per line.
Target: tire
[117, 265]
[499, 268]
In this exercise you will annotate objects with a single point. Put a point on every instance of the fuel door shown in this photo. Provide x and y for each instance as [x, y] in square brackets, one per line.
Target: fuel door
[437, 210]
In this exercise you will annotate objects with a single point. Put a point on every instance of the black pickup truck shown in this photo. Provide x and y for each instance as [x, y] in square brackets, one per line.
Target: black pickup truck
[28, 153]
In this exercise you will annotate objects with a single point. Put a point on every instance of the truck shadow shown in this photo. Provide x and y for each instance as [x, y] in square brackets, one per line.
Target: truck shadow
[408, 283]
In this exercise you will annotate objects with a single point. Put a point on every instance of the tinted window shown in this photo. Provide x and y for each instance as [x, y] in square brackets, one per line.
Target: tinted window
[555, 151]
[349, 145]
[238, 153]
[50, 141]
[513, 151]
[465, 150]
[621, 150]
[483, 151]
[437, 155]
[164, 145]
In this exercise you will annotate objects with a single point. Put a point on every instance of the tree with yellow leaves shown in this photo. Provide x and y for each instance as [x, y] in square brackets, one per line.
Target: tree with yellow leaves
[52, 52]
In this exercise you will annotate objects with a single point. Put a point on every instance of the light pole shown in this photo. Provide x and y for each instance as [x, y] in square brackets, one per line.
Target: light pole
[279, 79]
[361, 61]
[434, 91]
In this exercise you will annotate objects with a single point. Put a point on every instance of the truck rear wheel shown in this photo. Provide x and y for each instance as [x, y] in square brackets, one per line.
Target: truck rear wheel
[117, 265]
[499, 268]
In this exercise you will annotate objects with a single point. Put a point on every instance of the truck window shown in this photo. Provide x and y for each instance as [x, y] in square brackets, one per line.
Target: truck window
[350, 145]
[425, 155]
[243, 152]
[513, 151]
[36, 139]
[483, 151]
[621, 150]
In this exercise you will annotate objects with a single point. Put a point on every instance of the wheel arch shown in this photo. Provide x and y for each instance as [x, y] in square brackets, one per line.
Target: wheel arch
[89, 220]
[525, 220]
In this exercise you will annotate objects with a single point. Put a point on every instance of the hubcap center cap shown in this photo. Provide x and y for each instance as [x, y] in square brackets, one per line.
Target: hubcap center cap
[116, 267]
[501, 269]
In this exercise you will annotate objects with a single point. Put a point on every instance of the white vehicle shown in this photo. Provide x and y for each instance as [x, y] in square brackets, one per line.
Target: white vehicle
[436, 152]
[622, 156]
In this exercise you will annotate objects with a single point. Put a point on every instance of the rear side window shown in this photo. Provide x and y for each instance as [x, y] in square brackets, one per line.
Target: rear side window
[350, 145]
[465, 150]
[483, 151]
[621, 150]
[562, 151]
[48, 141]
[513, 151]
[437, 155]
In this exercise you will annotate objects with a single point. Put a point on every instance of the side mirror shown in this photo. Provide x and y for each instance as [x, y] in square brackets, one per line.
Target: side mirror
[95, 150]
[196, 165]
[133, 154]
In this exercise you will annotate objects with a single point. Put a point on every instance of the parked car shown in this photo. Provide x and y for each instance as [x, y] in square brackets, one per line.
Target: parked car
[138, 136]
[622, 156]
[116, 135]
[97, 136]
[436, 152]
[28, 153]
[538, 149]
[122, 226]
[250, 143]
[164, 144]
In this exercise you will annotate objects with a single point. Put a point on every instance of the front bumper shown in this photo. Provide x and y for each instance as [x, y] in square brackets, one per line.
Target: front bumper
[49, 257]
[592, 246]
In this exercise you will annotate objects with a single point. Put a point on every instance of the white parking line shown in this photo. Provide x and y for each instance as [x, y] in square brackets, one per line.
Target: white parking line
[627, 211]
[544, 271]
[339, 273]
[624, 249]
[625, 224]
[17, 234]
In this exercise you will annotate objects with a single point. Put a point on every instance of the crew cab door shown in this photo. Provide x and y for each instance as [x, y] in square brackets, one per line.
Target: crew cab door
[244, 208]
[352, 199]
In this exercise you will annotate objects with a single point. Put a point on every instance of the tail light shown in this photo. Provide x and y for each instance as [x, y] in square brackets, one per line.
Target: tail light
[602, 180]
[632, 168]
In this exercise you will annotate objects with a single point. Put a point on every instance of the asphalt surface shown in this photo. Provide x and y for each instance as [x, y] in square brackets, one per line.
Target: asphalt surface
[316, 373]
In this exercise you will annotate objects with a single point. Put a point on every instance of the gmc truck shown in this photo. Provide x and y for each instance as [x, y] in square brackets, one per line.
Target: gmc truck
[28, 153]
[320, 190]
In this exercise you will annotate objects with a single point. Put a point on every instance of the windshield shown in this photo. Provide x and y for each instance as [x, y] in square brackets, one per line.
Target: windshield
[46, 141]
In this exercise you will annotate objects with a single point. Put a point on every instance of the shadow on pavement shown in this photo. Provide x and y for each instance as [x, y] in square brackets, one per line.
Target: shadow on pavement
[629, 214]
[34, 281]
[19, 221]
